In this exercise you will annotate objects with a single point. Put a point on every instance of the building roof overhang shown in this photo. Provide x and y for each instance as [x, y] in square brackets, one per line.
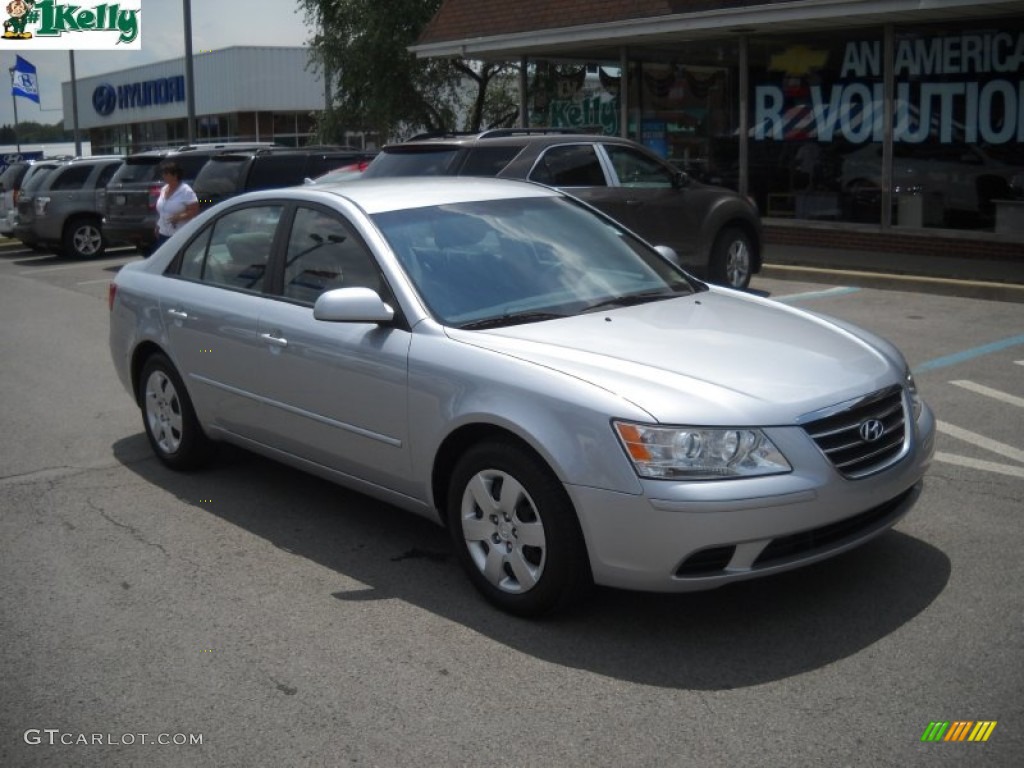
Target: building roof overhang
[497, 36]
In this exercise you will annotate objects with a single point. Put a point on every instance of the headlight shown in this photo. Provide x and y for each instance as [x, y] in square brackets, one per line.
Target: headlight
[915, 399]
[696, 453]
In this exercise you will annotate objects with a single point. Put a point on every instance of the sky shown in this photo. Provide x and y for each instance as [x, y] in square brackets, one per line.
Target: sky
[215, 24]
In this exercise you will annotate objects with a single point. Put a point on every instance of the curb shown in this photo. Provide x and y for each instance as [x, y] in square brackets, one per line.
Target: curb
[968, 289]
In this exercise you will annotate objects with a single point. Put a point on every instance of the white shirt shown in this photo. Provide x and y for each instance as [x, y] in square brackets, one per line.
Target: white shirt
[169, 207]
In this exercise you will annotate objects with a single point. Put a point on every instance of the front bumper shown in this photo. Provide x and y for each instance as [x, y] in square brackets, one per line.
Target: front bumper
[681, 537]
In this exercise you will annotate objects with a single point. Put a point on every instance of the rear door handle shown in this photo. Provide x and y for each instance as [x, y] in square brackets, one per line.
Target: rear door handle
[277, 341]
[178, 314]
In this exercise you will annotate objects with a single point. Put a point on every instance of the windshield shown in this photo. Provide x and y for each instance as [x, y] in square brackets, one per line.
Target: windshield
[503, 262]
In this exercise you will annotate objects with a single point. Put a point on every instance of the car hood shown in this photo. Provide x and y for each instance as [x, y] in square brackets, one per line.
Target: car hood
[716, 357]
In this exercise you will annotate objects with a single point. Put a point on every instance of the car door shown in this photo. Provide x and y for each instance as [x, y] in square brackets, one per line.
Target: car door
[336, 392]
[211, 314]
[656, 207]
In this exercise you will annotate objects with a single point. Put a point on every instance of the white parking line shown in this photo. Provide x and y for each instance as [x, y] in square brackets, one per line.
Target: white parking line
[91, 282]
[1007, 451]
[988, 466]
[995, 394]
[83, 265]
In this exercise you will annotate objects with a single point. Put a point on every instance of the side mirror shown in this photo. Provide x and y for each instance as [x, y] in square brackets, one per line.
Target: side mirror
[681, 180]
[352, 305]
[668, 254]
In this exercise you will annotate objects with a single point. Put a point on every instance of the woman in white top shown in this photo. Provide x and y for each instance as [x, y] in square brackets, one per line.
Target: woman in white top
[176, 205]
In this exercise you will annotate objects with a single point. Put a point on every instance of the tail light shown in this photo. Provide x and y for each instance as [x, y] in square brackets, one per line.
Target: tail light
[111, 293]
[15, 196]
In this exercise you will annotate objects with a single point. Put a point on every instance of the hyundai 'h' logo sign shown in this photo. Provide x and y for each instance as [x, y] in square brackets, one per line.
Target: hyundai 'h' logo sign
[104, 99]
[870, 430]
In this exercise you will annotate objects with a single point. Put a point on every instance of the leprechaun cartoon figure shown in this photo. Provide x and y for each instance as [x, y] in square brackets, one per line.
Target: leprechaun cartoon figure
[14, 27]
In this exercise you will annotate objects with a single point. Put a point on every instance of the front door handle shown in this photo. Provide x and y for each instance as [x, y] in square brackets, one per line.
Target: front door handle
[277, 341]
[178, 314]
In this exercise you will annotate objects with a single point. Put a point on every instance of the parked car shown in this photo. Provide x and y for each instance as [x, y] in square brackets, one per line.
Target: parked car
[232, 173]
[10, 187]
[17, 177]
[130, 203]
[715, 231]
[501, 358]
[63, 210]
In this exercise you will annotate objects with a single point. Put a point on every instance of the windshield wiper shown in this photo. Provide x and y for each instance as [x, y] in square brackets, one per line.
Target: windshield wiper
[510, 318]
[630, 299]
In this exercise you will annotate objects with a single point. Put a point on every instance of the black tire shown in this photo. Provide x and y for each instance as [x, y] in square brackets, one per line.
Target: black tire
[83, 238]
[168, 417]
[525, 552]
[732, 259]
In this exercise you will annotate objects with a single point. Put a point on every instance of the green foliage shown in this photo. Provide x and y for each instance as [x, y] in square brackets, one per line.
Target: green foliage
[35, 133]
[378, 85]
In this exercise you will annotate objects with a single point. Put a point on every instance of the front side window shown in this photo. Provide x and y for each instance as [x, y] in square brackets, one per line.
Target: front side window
[635, 169]
[569, 166]
[234, 250]
[323, 254]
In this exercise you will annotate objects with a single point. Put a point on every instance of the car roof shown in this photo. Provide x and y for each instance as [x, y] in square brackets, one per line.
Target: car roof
[500, 136]
[382, 195]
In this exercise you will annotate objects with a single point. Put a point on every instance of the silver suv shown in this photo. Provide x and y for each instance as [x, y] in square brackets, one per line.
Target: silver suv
[62, 210]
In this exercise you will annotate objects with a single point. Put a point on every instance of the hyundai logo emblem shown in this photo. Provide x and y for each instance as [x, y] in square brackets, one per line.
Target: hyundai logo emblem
[104, 99]
[871, 430]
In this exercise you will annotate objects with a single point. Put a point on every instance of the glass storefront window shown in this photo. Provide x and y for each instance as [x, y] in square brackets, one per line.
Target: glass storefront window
[958, 140]
[576, 96]
[683, 104]
[816, 111]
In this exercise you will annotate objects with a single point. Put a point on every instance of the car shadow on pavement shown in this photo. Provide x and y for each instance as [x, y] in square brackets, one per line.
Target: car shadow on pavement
[742, 635]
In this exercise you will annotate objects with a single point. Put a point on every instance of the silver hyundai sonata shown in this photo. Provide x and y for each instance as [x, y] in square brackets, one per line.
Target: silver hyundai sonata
[507, 361]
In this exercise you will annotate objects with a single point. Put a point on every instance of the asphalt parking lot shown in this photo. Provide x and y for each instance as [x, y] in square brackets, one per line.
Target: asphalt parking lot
[250, 615]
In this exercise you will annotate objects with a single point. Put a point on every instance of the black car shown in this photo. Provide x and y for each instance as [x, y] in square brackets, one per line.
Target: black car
[714, 230]
[232, 173]
[130, 204]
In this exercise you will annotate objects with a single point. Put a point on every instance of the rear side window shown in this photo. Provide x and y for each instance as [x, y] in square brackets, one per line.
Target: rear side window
[424, 161]
[569, 166]
[71, 178]
[190, 164]
[488, 161]
[106, 174]
[273, 171]
[220, 177]
[39, 175]
[234, 251]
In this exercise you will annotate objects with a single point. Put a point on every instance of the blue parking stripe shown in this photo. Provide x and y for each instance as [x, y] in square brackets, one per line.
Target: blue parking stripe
[840, 291]
[968, 354]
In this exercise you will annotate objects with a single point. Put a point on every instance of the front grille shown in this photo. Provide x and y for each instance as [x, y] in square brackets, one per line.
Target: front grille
[797, 544]
[838, 435]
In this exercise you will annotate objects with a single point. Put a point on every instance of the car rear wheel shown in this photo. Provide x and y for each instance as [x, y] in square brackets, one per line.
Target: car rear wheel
[167, 413]
[732, 259]
[515, 531]
[83, 239]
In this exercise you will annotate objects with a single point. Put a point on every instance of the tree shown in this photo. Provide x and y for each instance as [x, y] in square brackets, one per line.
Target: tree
[378, 85]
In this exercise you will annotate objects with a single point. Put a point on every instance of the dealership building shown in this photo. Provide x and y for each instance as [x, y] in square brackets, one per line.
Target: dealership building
[244, 93]
[889, 125]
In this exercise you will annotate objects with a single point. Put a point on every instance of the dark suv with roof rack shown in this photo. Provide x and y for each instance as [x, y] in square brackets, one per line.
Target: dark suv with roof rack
[233, 173]
[715, 231]
[130, 202]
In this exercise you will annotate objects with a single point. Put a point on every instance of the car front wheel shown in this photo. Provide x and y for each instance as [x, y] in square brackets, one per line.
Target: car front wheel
[515, 531]
[167, 413]
[732, 259]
